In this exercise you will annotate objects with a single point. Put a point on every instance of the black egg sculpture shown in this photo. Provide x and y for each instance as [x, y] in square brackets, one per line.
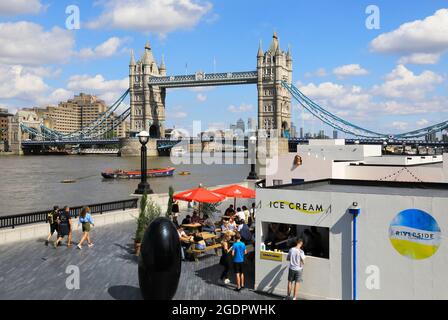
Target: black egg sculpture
[159, 263]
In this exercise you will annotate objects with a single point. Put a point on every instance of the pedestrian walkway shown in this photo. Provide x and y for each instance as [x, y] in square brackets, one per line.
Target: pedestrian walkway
[30, 270]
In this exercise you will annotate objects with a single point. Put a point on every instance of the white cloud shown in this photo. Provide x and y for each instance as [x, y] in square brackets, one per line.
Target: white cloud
[201, 97]
[401, 108]
[157, 16]
[400, 125]
[108, 90]
[427, 36]
[178, 115]
[27, 43]
[56, 96]
[337, 96]
[17, 83]
[403, 83]
[16, 7]
[241, 108]
[349, 70]
[106, 49]
[321, 72]
[420, 58]
[26, 84]
[422, 123]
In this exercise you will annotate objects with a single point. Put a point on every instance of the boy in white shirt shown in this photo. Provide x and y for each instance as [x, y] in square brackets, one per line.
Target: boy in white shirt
[296, 258]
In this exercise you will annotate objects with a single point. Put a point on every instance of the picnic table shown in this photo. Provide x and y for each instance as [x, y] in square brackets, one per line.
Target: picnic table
[212, 245]
[192, 226]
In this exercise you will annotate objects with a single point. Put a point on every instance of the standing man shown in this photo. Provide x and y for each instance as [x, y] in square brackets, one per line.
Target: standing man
[238, 252]
[296, 258]
[52, 219]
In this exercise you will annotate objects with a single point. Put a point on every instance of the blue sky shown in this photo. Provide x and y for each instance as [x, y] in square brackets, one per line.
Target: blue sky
[393, 79]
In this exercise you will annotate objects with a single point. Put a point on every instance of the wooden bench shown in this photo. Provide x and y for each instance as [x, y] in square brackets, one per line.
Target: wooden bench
[197, 252]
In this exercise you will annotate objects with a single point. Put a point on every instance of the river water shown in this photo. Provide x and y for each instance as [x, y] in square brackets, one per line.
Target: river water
[33, 183]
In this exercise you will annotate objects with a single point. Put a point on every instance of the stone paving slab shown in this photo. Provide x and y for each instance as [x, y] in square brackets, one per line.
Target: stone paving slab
[31, 270]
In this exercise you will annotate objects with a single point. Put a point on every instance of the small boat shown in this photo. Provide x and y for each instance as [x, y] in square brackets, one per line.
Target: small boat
[136, 174]
[68, 181]
[184, 173]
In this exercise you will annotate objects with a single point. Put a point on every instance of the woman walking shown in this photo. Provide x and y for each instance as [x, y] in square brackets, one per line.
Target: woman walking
[226, 259]
[85, 218]
[65, 227]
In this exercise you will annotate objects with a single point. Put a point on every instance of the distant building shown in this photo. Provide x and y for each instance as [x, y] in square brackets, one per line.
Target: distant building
[233, 127]
[75, 114]
[335, 134]
[301, 133]
[293, 132]
[240, 125]
[445, 137]
[321, 134]
[5, 117]
[431, 137]
[251, 124]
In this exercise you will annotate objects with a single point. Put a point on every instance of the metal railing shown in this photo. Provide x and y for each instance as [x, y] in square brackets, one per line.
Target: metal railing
[12, 221]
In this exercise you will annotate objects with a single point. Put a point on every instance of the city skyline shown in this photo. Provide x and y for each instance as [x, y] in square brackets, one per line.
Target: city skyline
[371, 79]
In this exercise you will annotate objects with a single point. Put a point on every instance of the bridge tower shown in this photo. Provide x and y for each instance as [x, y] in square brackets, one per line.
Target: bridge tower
[274, 101]
[147, 102]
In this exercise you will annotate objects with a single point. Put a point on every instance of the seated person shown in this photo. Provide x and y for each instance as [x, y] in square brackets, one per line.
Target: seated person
[232, 224]
[187, 220]
[208, 224]
[199, 241]
[240, 214]
[196, 218]
[184, 241]
[182, 235]
[225, 225]
[225, 228]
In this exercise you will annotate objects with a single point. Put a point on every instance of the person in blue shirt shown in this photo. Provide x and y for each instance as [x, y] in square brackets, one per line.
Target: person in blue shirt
[238, 252]
[85, 218]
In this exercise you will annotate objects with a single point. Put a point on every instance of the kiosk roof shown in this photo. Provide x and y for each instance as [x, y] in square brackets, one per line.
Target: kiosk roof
[422, 189]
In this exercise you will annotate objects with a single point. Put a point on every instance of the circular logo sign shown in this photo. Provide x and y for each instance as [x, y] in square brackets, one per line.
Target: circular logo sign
[415, 234]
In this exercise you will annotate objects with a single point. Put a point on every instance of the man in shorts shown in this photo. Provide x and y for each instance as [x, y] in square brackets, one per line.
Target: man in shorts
[238, 253]
[296, 258]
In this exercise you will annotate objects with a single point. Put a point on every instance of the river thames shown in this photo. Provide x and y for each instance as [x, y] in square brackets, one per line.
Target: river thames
[33, 183]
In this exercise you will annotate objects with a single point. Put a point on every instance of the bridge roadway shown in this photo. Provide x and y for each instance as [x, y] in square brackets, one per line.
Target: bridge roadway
[201, 79]
[30, 270]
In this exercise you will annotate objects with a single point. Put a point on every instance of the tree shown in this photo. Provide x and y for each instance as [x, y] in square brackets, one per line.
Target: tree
[149, 211]
[170, 202]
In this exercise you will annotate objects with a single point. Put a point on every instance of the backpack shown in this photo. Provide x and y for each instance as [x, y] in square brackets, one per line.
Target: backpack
[50, 217]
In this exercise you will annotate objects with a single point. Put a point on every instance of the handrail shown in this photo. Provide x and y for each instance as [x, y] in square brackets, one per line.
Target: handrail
[11, 221]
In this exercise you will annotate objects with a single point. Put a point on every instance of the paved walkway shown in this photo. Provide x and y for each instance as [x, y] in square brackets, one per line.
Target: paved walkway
[30, 270]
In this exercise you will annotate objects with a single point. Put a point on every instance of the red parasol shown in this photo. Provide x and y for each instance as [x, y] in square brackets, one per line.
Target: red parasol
[236, 191]
[199, 195]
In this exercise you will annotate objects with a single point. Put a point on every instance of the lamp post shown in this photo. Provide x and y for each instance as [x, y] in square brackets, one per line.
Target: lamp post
[354, 210]
[252, 154]
[143, 186]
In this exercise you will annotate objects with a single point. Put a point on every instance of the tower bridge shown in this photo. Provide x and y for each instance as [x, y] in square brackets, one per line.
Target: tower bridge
[148, 84]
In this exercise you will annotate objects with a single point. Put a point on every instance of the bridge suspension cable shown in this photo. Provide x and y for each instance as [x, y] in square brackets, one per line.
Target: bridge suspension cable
[100, 131]
[93, 127]
[350, 128]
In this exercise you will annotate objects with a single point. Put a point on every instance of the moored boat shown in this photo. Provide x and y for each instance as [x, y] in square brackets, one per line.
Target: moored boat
[136, 174]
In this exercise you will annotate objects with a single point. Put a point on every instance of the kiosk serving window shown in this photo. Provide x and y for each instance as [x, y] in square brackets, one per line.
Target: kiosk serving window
[280, 237]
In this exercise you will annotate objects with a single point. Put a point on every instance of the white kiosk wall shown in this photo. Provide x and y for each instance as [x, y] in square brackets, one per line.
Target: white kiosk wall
[399, 276]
